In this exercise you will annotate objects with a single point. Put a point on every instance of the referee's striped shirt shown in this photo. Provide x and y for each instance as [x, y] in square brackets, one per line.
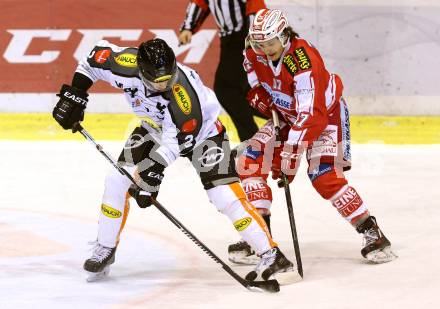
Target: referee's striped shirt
[230, 15]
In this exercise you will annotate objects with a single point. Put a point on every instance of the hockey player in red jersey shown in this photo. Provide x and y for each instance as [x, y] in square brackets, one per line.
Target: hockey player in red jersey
[287, 74]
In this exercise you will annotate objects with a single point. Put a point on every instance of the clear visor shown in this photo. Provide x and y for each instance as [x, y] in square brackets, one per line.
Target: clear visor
[161, 84]
[260, 47]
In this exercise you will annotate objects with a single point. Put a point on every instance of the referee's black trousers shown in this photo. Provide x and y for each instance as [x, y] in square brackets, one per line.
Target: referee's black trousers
[231, 85]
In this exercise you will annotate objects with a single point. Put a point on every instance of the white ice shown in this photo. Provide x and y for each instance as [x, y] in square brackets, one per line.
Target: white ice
[49, 203]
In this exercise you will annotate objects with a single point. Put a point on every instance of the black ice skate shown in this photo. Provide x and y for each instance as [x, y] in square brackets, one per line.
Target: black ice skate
[242, 253]
[98, 266]
[274, 265]
[376, 247]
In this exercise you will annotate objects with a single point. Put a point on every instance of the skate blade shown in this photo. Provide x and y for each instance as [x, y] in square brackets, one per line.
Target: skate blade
[380, 256]
[92, 277]
[289, 276]
[286, 277]
[243, 260]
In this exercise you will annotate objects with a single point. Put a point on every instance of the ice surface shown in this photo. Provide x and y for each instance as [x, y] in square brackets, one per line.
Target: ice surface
[50, 198]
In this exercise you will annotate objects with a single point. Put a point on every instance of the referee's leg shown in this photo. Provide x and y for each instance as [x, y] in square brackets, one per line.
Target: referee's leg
[234, 102]
[231, 85]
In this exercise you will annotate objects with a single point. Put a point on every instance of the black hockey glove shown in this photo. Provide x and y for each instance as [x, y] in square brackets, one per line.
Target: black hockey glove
[151, 180]
[70, 108]
[143, 198]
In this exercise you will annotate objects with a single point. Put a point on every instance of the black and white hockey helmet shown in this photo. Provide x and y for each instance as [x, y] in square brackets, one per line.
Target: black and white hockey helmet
[157, 65]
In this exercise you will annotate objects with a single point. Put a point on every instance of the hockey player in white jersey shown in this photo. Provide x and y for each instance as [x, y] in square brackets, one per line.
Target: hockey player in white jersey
[179, 118]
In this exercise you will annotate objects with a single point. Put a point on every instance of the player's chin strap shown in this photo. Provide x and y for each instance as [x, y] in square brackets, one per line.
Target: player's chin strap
[268, 286]
[285, 183]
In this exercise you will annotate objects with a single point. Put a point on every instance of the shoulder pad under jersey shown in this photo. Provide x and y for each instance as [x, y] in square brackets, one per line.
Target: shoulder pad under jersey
[120, 61]
[185, 106]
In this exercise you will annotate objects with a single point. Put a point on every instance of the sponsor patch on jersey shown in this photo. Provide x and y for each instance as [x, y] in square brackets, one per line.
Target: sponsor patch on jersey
[346, 140]
[126, 60]
[110, 212]
[242, 224]
[322, 169]
[247, 65]
[326, 144]
[101, 56]
[290, 64]
[136, 103]
[151, 123]
[348, 202]
[253, 154]
[257, 191]
[303, 59]
[182, 98]
[281, 103]
[189, 126]
[262, 60]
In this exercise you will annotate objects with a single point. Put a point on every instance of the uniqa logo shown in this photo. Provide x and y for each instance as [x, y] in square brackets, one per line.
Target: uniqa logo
[182, 98]
[110, 212]
[242, 224]
[212, 156]
[126, 60]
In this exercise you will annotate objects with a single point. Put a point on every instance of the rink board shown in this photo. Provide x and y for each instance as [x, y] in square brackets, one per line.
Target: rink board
[365, 129]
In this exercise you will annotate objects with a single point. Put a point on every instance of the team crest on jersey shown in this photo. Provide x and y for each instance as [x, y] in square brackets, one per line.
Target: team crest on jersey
[182, 98]
[303, 59]
[290, 64]
[126, 60]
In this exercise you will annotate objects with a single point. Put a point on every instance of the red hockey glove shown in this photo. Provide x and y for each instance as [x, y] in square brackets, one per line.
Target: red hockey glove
[261, 100]
[285, 161]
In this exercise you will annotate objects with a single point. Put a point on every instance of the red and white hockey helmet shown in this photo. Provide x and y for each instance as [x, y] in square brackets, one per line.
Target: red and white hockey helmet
[267, 24]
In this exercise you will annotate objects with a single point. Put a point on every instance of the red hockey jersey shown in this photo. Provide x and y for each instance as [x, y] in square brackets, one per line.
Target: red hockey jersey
[302, 90]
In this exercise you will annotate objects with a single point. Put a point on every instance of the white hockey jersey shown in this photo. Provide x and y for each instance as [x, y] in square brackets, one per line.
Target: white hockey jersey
[178, 119]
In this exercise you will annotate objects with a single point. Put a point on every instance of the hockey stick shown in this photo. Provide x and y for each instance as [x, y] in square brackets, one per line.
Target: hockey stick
[238, 150]
[268, 286]
[285, 182]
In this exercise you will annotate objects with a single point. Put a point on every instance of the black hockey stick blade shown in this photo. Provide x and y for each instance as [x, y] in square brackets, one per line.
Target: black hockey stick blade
[271, 286]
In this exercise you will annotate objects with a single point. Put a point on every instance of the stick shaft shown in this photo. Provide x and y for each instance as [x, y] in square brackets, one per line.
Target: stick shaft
[286, 186]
